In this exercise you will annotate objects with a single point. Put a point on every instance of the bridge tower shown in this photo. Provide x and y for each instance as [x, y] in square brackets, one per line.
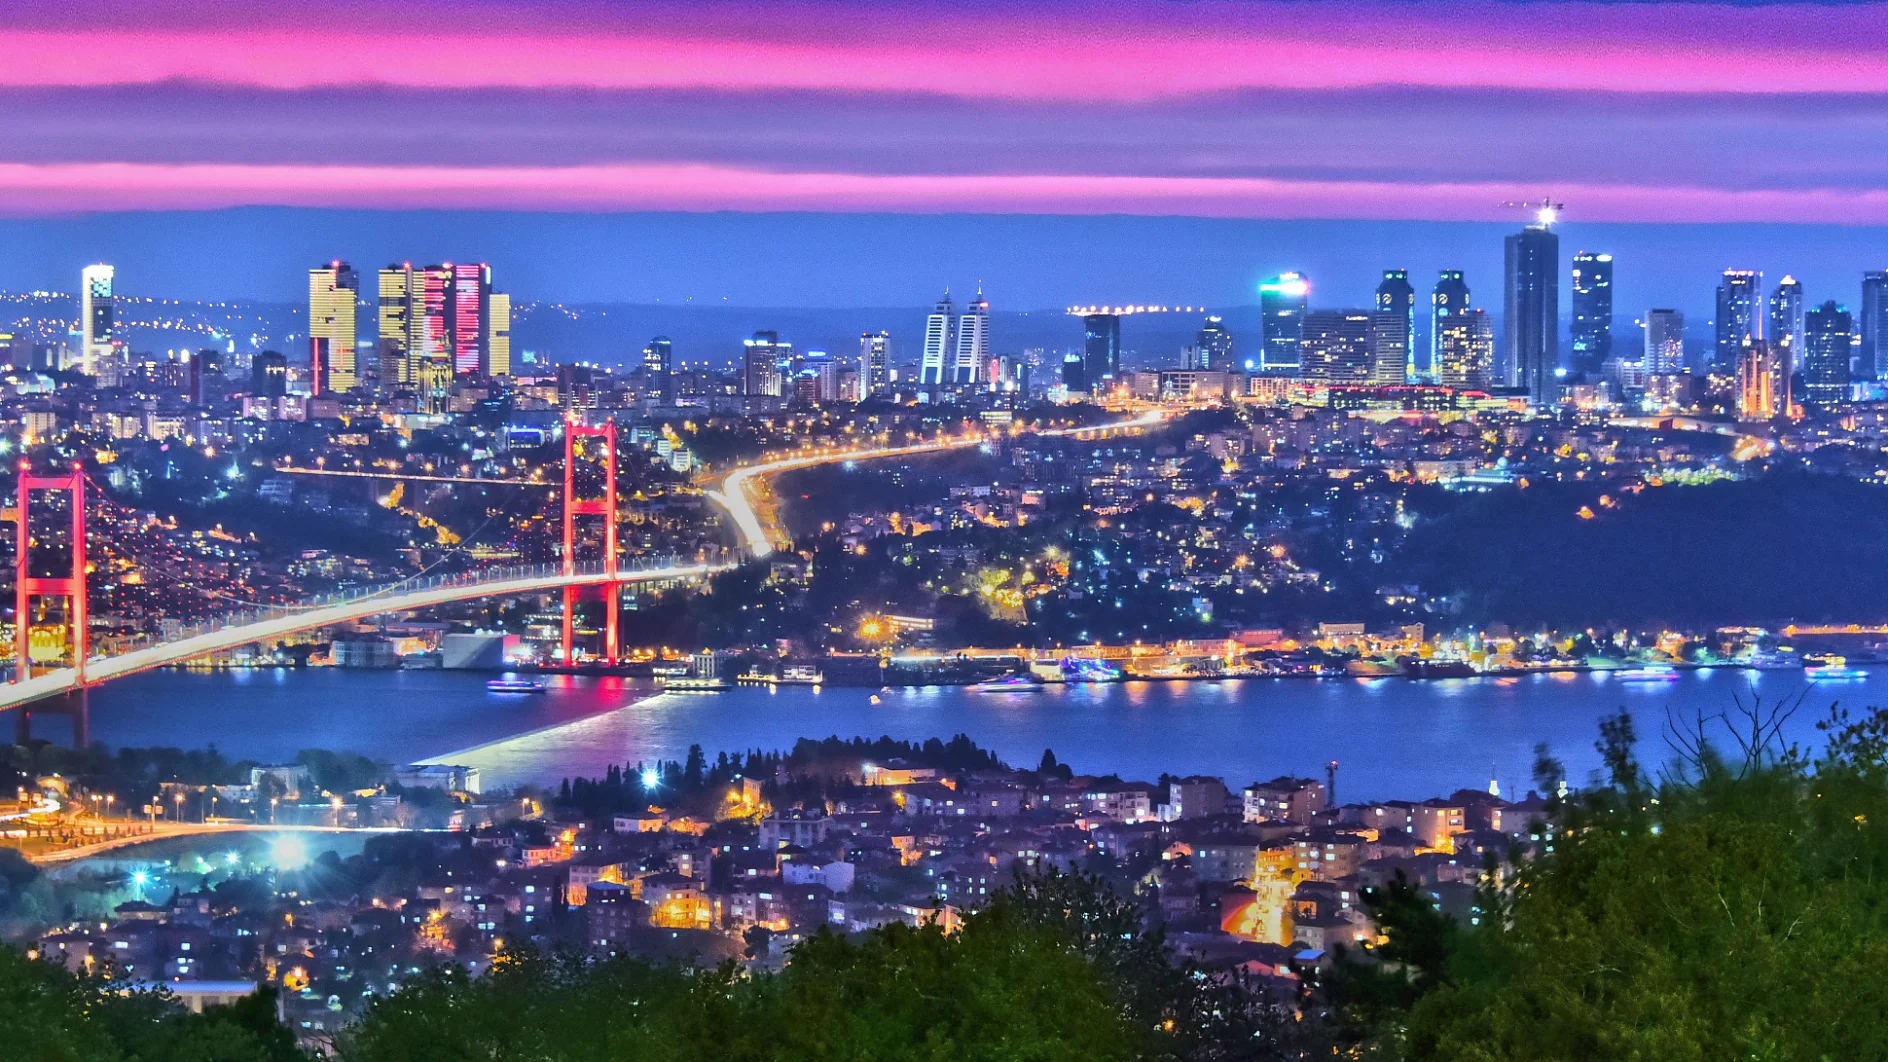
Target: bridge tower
[604, 507]
[27, 587]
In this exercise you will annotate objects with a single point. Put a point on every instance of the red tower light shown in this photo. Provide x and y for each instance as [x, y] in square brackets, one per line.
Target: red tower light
[604, 507]
[27, 586]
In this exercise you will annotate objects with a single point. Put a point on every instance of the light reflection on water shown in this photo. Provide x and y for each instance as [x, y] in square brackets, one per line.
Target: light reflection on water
[1393, 737]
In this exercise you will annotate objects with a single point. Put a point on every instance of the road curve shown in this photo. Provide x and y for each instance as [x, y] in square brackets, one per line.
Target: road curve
[735, 497]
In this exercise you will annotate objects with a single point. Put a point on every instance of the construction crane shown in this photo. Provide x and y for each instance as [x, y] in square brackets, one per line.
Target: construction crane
[1545, 212]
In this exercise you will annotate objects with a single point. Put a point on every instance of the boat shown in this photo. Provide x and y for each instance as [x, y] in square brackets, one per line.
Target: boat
[1647, 673]
[693, 684]
[1087, 669]
[1008, 684]
[1366, 667]
[513, 684]
[1417, 667]
[1832, 668]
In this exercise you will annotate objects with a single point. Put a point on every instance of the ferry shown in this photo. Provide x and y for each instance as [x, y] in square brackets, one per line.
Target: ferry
[514, 684]
[1417, 667]
[1647, 673]
[1086, 669]
[692, 684]
[1832, 668]
[1008, 684]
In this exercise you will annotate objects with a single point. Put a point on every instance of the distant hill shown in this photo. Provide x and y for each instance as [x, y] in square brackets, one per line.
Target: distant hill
[1764, 551]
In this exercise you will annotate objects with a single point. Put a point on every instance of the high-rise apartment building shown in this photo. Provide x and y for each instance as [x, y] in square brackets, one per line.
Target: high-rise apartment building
[1214, 344]
[875, 351]
[1664, 342]
[1786, 314]
[97, 316]
[334, 292]
[469, 306]
[972, 356]
[1739, 316]
[1283, 301]
[268, 375]
[760, 364]
[658, 370]
[1825, 358]
[940, 334]
[1465, 349]
[429, 344]
[1591, 338]
[1531, 310]
[1336, 346]
[1447, 298]
[1874, 324]
[1393, 330]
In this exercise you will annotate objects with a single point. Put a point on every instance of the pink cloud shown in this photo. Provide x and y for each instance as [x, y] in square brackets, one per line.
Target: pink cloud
[1120, 51]
[30, 189]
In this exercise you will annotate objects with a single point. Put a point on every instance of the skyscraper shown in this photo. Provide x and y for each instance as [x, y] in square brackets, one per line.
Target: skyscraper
[97, 311]
[333, 295]
[1074, 379]
[875, 350]
[1825, 357]
[1739, 316]
[1282, 304]
[1393, 330]
[760, 365]
[1465, 349]
[1447, 298]
[658, 365]
[1531, 309]
[973, 341]
[497, 354]
[268, 375]
[1215, 345]
[1664, 342]
[1592, 335]
[1101, 351]
[429, 340]
[396, 326]
[940, 333]
[1874, 324]
[1786, 313]
[471, 292]
[1756, 381]
[1336, 346]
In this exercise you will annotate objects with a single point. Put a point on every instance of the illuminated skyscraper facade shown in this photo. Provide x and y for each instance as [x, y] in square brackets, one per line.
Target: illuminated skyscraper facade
[1786, 314]
[1756, 381]
[97, 316]
[1531, 310]
[396, 326]
[973, 342]
[333, 299]
[1874, 325]
[1447, 298]
[760, 364]
[497, 353]
[1591, 337]
[1465, 349]
[1214, 345]
[940, 333]
[1282, 304]
[1739, 316]
[1664, 342]
[1101, 351]
[1825, 357]
[658, 370]
[1393, 330]
[875, 351]
[1335, 346]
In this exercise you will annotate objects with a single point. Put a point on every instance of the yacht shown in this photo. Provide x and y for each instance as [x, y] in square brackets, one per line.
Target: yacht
[514, 684]
[1648, 673]
[1008, 684]
[1831, 668]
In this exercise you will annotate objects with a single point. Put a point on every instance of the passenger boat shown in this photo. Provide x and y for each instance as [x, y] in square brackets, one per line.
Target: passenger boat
[693, 684]
[1831, 668]
[514, 684]
[1648, 673]
[1008, 684]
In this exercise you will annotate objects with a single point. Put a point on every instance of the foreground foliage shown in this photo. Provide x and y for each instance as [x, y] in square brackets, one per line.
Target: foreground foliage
[1735, 907]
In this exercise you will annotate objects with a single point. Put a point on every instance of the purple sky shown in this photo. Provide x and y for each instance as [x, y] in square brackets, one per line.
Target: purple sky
[1649, 114]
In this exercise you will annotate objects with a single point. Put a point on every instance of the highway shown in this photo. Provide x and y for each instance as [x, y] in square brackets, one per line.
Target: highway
[736, 491]
[163, 831]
